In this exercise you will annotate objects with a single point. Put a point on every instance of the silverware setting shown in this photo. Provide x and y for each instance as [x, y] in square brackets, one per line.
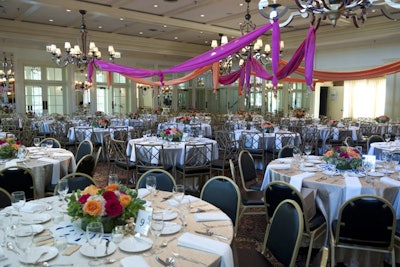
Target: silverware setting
[179, 256]
[210, 233]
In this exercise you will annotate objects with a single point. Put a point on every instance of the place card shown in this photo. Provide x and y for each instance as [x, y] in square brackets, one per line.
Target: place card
[143, 221]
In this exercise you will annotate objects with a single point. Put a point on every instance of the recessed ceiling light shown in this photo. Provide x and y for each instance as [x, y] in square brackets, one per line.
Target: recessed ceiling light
[121, 19]
[241, 4]
[68, 10]
[165, 26]
[140, 32]
[155, 6]
[202, 15]
[176, 38]
[100, 27]
[51, 20]
[201, 32]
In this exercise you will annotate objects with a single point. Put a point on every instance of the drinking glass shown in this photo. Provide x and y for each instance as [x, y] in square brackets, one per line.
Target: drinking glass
[94, 236]
[36, 141]
[62, 189]
[18, 200]
[156, 227]
[387, 137]
[179, 193]
[24, 239]
[22, 152]
[49, 144]
[386, 157]
[367, 167]
[296, 153]
[151, 184]
[113, 178]
[307, 149]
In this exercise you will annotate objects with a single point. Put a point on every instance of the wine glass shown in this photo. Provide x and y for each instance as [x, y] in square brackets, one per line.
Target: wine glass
[18, 200]
[62, 189]
[49, 144]
[156, 227]
[151, 184]
[307, 150]
[387, 137]
[113, 179]
[24, 239]
[179, 193]
[94, 236]
[36, 141]
[22, 152]
[367, 167]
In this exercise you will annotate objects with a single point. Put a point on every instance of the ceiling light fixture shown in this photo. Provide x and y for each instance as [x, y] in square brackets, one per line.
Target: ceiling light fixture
[7, 75]
[356, 10]
[80, 86]
[76, 56]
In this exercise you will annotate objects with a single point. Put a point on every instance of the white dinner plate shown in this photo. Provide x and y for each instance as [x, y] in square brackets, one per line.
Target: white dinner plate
[375, 174]
[308, 164]
[35, 156]
[309, 169]
[136, 244]
[35, 218]
[34, 253]
[171, 228]
[36, 228]
[100, 251]
[315, 161]
[169, 214]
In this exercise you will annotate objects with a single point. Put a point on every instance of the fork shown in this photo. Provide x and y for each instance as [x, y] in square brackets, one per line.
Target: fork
[179, 256]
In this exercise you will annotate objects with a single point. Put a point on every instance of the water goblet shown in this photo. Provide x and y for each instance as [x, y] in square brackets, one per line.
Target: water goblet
[49, 144]
[24, 239]
[151, 184]
[367, 167]
[179, 193]
[307, 150]
[94, 236]
[62, 189]
[113, 179]
[156, 227]
[22, 152]
[18, 200]
[36, 141]
[387, 137]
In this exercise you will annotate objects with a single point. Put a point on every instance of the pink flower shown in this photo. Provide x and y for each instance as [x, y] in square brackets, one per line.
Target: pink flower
[83, 198]
[110, 195]
[113, 207]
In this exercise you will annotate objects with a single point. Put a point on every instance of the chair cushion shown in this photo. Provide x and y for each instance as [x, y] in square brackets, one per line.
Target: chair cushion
[251, 257]
[253, 198]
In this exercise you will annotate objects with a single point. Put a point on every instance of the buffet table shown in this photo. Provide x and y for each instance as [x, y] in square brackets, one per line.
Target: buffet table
[51, 221]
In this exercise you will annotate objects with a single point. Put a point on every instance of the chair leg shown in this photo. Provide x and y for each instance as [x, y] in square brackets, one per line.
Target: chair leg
[310, 249]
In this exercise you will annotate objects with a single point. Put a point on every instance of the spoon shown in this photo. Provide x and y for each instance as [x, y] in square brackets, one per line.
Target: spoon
[165, 243]
[46, 264]
[10, 247]
[170, 261]
[40, 256]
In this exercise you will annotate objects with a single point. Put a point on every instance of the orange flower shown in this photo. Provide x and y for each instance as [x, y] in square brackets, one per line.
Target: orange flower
[112, 187]
[329, 153]
[91, 189]
[124, 200]
[93, 207]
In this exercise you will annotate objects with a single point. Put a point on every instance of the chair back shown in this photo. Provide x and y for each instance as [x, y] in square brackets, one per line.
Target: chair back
[149, 156]
[77, 180]
[86, 165]
[17, 178]
[119, 132]
[198, 157]
[348, 141]
[222, 192]
[85, 148]
[286, 152]
[247, 168]
[253, 141]
[5, 198]
[165, 181]
[282, 139]
[285, 231]
[374, 138]
[395, 155]
[82, 133]
[366, 220]
[56, 144]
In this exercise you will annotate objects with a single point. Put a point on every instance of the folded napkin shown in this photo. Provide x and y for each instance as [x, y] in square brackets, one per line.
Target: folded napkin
[279, 166]
[11, 163]
[56, 169]
[61, 154]
[285, 160]
[210, 216]
[2, 254]
[186, 199]
[31, 207]
[143, 192]
[389, 181]
[137, 261]
[353, 186]
[297, 180]
[208, 245]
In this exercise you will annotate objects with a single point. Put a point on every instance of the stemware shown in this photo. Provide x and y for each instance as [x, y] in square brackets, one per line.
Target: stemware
[179, 193]
[156, 227]
[22, 152]
[367, 167]
[62, 189]
[307, 150]
[113, 179]
[387, 137]
[151, 184]
[36, 141]
[24, 239]
[49, 144]
[18, 200]
[94, 235]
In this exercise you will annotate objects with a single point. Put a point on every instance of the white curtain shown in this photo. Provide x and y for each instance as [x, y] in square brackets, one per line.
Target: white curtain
[364, 98]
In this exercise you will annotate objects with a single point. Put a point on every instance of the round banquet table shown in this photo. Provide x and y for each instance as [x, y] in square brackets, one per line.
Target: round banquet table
[333, 190]
[50, 228]
[48, 165]
[377, 148]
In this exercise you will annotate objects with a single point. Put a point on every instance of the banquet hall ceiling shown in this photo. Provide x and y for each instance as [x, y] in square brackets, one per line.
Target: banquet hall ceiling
[173, 28]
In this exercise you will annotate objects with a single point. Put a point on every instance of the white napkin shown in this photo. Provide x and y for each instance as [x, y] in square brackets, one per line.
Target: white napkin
[389, 181]
[11, 163]
[143, 192]
[56, 169]
[137, 261]
[285, 160]
[208, 245]
[353, 186]
[186, 199]
[279, 166]
[210, 216]
[2, 254]
[61, 154]
[297, 180]
[31, 207]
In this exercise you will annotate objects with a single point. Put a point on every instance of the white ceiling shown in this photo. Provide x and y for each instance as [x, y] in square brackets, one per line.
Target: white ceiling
[173, 28]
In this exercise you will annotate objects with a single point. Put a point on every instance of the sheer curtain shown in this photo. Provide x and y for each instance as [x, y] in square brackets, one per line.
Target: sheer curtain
[364, 98]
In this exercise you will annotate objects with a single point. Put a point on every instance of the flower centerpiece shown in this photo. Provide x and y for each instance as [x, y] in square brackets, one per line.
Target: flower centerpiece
[172, 134]
[99, 113]
[30, 114]
[156, 111]
[112, 205]
[133, 115]
[330, 123]
[248, 117]
[6, 109]
[102, 122]
[299, 113]
[268, 127]
[382, 119]
[184, 119]
[60, 117]
[9, 148]
[344, 157]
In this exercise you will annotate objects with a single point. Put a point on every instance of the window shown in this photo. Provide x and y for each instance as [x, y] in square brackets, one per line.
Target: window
[55, 99]
[33, 98]
[54, 74]
[32, 73]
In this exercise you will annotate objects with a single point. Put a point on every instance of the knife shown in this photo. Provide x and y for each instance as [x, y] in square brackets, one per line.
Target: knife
[166, 198]
[162, 262]
[212, 234]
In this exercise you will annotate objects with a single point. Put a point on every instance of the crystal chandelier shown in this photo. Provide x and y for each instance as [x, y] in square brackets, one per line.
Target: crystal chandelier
[7, 75]
[260, 52]
[74, 55]
[83, 85]
[356, 10]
